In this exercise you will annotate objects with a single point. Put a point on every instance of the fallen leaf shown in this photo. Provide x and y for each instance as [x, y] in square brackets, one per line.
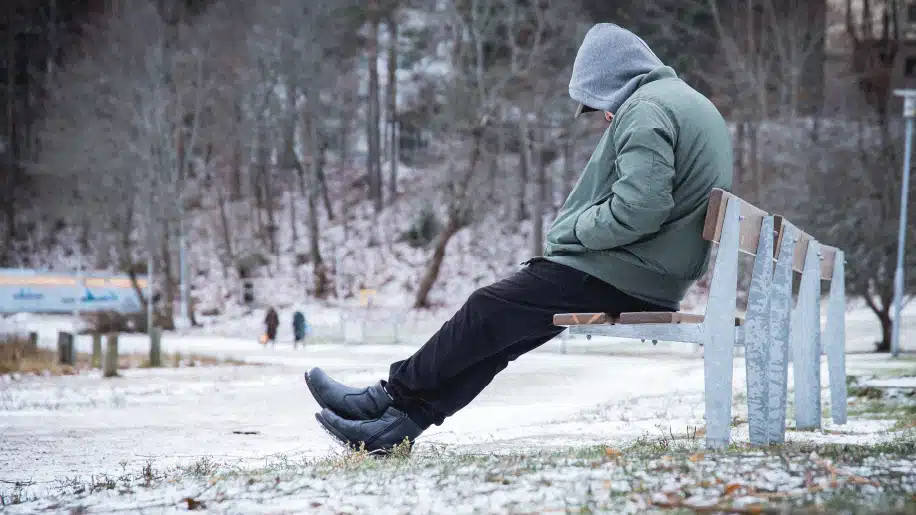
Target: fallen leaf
[612, 453]
[194, 504]
[732, 488]
[697, 457]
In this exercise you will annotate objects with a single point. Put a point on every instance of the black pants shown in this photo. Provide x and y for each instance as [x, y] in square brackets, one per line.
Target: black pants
[497, 324]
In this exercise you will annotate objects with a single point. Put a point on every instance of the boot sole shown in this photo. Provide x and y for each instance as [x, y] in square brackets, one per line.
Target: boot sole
[345, 442]
[314, 393]
[342, 440]
[330, 430]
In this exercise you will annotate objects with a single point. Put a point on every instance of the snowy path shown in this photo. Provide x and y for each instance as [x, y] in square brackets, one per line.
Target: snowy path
[69, 426]
[56, 427]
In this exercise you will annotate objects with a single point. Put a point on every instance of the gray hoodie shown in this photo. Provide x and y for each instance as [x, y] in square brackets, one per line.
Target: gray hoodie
[609, 66]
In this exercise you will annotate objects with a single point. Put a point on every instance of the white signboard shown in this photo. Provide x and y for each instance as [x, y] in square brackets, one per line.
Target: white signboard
[36, 291]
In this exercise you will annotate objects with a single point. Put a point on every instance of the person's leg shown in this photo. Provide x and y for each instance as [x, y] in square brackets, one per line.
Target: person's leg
[496, 325]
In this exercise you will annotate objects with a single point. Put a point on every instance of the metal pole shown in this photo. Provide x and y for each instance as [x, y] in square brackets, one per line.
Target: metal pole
[909, 111]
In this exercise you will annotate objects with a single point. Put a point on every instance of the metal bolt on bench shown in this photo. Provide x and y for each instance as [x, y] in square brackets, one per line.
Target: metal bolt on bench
[772, 331]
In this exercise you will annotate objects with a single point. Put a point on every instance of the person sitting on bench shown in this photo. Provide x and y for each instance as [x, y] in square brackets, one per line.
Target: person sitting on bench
[628, 238]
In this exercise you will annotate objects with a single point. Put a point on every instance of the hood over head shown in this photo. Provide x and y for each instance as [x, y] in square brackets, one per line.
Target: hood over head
[609, 66]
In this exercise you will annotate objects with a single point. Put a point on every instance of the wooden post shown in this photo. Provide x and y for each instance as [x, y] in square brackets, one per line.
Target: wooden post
[155, 347]
[32, 347]
[111, 356]
[65, 352]
[96, 350]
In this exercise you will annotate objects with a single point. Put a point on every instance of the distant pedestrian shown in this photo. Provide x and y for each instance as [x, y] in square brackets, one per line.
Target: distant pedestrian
[272, 321]
[299, 328]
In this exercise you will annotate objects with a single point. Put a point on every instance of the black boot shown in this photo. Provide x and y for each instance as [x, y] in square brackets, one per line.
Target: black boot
[379, 435]
[346, 401]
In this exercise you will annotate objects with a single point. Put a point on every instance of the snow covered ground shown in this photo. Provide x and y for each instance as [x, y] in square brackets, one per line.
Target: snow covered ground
[61, 432]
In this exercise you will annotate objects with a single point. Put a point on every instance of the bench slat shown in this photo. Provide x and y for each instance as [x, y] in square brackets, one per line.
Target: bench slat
[659, 317]
[580, 318]
[635, 318]
[828, 253]
[751, 220]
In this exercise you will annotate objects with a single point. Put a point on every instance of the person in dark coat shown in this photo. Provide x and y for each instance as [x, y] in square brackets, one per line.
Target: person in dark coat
[298, 327]
[272, 321]
[628, 238]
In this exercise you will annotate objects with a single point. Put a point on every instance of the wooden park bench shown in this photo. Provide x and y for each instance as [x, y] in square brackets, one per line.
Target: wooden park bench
[773, 329]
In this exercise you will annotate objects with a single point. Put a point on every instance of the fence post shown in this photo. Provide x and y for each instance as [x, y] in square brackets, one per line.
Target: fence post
[96, 350]
[155, 347]
[65, 353]
[111, 356]
[32, 347]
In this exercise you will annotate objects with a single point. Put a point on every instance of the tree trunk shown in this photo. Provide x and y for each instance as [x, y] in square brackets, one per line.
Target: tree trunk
[435, 263]
[226, 230]
[540, 202]
[271, 213]
[881, 307]
[323, 181]
[265, 187]
[523, 164]
[374, 164]
[11, 174]
[455, 222]
[235, 171]
[569, 165]
[319, 270]
[168, 309]
[884, 316]
[294, 231]
[392, 109]
[256, 188]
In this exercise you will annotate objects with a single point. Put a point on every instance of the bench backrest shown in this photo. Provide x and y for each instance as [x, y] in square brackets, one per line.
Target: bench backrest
[828, 253]
[750, 221]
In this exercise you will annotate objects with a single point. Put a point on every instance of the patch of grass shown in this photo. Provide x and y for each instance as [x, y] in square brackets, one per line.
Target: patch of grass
[906, 421]
[201, 468]
[18, 356]
[850, 502]
[901, 446]
[893, 373]
[625, 474]
[18, 494]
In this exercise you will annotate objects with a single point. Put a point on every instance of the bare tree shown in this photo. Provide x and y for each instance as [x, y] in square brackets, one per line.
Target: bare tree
[768, 66]
[131, 107]
[495, 48]
[391, 21]
[373, 117]
[850, 198]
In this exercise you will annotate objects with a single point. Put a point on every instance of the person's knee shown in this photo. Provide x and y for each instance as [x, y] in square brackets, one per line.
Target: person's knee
[481, 299]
